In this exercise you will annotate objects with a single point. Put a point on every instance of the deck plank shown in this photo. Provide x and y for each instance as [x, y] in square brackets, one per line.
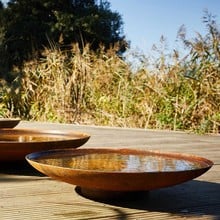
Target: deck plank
[26, 194]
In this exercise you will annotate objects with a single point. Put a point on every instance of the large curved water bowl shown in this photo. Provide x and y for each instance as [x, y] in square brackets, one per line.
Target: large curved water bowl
[118, 170]
[15, 144]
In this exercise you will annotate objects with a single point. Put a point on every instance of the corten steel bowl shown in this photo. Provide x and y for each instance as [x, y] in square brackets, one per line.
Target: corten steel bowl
[118, 170]
[9, 122]
[15, 144]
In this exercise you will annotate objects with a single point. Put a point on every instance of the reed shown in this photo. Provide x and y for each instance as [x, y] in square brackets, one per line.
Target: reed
[100, 88]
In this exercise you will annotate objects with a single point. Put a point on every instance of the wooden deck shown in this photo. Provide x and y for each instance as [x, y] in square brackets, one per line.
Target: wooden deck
[24, 194]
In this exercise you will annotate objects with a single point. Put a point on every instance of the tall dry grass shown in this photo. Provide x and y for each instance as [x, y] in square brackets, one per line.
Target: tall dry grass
[87, 87]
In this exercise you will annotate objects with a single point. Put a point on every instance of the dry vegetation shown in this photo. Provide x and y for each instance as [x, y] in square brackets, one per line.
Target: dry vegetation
[100, 88]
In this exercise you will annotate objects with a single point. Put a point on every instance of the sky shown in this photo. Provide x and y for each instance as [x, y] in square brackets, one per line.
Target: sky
[146, 20]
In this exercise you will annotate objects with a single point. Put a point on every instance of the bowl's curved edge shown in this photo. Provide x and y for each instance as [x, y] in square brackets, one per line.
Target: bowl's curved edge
[16, 151]
[115, 181]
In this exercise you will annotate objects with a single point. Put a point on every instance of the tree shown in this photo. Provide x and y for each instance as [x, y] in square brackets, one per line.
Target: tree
[2, 39]
[31, 25]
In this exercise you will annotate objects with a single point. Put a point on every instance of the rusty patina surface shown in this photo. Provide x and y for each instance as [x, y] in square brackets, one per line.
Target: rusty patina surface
[118, 169]
[15, 143]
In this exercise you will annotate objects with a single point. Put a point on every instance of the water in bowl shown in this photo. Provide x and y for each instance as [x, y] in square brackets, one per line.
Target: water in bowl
[115, 162]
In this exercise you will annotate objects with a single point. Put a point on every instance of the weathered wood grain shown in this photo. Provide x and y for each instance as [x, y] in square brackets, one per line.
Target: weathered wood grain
[26, 194]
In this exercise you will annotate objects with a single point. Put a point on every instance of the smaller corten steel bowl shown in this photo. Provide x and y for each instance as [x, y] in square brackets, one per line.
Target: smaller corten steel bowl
[9, 122]
[15, 143]
[118, 170]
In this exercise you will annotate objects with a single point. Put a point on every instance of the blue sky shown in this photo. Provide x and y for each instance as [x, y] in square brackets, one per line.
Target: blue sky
[146, 20]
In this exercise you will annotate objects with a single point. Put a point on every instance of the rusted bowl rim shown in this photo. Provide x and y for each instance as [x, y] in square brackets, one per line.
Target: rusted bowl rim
[10, 119]
[32, 157]
[68, 134]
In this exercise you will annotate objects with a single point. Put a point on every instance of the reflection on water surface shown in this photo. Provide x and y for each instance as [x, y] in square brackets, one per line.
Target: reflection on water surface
[113, 162]
[30, 138]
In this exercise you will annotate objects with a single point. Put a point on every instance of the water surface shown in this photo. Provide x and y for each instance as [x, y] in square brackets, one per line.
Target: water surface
[114, 162]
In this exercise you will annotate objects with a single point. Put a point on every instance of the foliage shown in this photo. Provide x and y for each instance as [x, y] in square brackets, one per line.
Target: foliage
[27, 27]
[83, 86]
